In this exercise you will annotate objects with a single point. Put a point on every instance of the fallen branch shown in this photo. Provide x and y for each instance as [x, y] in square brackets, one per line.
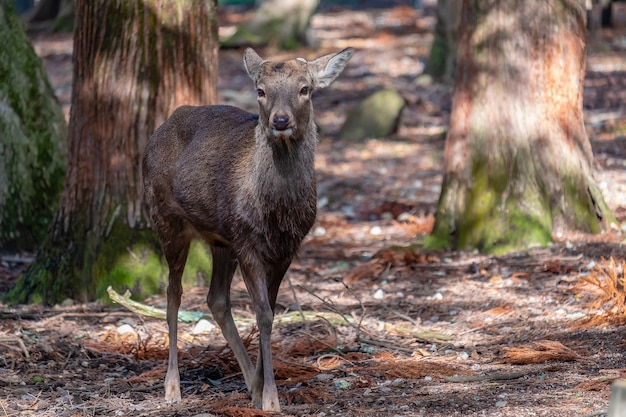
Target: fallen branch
[190, 316]
[150, 311]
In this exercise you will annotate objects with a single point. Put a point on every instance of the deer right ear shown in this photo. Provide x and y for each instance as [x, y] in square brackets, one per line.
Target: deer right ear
[252, 61]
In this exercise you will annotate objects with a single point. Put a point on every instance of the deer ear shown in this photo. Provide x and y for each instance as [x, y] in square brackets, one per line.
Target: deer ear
[328, 67]
[252, 61]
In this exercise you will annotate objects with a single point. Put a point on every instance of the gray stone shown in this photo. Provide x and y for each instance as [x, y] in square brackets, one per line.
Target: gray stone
[375, 117]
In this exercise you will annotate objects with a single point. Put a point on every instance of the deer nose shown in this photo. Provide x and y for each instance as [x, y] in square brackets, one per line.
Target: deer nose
[280, 122]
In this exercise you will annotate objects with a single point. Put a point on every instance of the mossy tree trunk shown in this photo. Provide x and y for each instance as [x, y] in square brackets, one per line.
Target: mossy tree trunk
[278, 23]
[518, 163]
[33, 137]
[134, 62]
[442, 60]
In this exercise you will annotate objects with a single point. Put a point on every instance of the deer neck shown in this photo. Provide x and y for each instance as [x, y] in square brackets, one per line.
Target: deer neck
[285, 167]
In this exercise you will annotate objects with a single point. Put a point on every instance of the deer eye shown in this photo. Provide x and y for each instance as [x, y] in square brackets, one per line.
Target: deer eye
[304, 91]
[260, 92]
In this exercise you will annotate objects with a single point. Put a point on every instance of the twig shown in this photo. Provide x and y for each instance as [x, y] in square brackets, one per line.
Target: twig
[359, 327]
[322, 342]
[301, 365]
[323, 368]
[474, 378]
[596, 413]
[385, 345]
[150, 388]
[433, 337]
[403, 316]
[331, 307]
[16, 340]
[17, 259]
[295, 298]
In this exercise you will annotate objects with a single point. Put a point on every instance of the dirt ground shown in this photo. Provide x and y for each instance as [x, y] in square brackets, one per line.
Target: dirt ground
[364, 328]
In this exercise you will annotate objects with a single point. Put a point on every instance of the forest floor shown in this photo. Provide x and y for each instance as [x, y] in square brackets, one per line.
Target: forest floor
[364, 326]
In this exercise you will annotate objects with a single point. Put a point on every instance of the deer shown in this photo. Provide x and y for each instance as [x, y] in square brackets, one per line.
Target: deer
[246, 185]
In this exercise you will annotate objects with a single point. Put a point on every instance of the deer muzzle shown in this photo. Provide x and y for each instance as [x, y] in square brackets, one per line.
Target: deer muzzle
[282, 125]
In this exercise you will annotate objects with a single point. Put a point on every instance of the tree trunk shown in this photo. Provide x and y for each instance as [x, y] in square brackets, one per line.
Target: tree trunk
[442, 59]
[518, 163]
[278, 23]
[134, 62]
[32, 139]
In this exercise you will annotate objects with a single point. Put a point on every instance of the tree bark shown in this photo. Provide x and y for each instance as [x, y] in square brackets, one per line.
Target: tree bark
[33, 137]
[134, 63]
[518, 163]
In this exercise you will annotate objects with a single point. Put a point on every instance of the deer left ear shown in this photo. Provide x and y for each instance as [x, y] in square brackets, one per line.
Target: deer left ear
[328, 67]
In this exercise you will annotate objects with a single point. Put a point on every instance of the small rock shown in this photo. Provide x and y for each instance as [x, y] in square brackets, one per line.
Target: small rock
[379, 294]
[342, 383]
[376, 231]
[501, 404]
[319, 231]
[375, 117]
[68, 302]
[324, 377]
[398, 382]
[405, 217]
[203, 326]
[125, 329]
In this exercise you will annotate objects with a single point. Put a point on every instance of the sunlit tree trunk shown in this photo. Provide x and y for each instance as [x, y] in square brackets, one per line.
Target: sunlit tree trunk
[134, 62]
[518, 163]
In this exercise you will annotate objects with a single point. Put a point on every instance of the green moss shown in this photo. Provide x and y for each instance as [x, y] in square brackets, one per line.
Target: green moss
[579, 207]
[139, 270]
[33, 146]
[199, 265]
[503, 211]
[82, 267]
[437, 60]
[142, 270]
[136, 264]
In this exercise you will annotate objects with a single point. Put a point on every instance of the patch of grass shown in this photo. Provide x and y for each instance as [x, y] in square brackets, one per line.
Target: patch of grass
[608, 281]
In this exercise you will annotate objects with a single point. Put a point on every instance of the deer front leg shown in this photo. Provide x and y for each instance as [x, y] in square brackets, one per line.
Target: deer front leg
[218, 300]
[264, 392]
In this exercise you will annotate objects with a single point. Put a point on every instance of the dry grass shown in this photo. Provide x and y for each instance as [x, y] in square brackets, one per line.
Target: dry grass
[608, 282]
[540, 352]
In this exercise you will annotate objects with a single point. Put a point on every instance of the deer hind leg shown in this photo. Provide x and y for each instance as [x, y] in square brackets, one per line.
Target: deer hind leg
[218, 300]
[176, 248]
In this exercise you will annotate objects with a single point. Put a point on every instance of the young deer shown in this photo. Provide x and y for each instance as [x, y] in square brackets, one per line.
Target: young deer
[246, 185]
